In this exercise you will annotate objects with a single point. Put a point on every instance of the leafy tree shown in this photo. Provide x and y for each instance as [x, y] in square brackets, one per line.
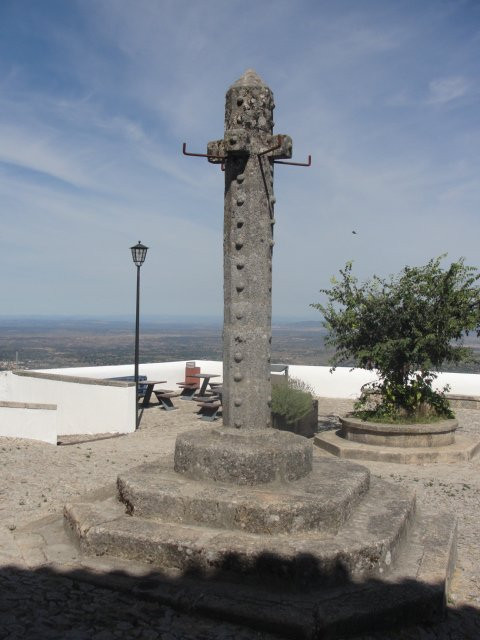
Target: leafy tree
[404, 328]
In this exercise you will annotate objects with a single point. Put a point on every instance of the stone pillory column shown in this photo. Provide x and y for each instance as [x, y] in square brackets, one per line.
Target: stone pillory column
[246, 450]
[248, 245]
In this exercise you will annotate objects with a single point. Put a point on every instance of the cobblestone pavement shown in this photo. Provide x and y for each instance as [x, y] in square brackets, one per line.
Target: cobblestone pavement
[37, 479]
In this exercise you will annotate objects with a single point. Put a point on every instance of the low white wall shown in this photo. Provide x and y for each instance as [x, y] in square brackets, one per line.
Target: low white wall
[83, 406]
[29, 420]
[463, 384]
[346, 383]
[87, 403]
[341, 383]
[4, 384]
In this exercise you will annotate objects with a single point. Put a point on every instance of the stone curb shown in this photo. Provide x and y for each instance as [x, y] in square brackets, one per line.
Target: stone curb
[75, 379]
[27, 405]
[463, 449]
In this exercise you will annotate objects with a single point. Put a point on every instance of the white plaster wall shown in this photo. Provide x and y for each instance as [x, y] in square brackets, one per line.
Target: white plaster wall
[81, 408]
[464, 384]
[4, 383]
[341, 383]
[346, 383]
[35, 423]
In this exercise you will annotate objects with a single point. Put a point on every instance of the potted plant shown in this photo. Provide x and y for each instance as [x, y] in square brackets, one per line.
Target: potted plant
[294, 408]
[404, 328]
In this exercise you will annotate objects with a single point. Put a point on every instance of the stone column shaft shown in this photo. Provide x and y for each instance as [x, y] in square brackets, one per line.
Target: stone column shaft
[248, 245]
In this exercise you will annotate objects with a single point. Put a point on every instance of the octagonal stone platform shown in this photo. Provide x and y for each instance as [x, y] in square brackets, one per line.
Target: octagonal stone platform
[329, 554]
[322, 501]
[303, 559]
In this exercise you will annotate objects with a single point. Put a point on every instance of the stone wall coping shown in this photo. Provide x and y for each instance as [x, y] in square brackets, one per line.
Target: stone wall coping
[75, 379]
[27, 405]
[457, 396]
[441, 426]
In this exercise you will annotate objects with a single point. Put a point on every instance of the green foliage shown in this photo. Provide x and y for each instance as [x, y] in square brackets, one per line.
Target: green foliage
[391, 402]
[300, 385]
[404, 328]
[292, 400]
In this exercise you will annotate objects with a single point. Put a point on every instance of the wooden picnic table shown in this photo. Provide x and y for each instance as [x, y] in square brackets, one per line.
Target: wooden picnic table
[149, 390]
[206, 379]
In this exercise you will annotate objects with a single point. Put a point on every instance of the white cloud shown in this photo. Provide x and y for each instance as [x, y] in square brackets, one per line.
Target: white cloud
[36, 151]
[442, 90]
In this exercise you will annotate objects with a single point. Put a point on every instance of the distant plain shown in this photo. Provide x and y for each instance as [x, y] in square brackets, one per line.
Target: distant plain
[54, 342]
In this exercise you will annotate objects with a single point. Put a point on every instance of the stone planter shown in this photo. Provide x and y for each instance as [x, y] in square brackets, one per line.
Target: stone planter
[434, 434]
[306, 426]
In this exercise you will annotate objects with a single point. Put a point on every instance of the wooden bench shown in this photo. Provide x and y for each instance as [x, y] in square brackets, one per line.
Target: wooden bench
[164, 397]
[188, 390]
[209, 407]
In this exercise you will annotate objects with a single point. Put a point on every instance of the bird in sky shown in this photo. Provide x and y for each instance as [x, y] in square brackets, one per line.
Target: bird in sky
[354, 232]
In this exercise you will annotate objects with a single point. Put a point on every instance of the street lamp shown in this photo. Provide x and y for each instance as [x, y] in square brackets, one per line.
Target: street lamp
[139, 252]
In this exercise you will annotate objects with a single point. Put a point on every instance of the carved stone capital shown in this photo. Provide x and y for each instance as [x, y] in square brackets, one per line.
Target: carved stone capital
[285, 149]
[237, 142]
[241, 142]
[216, 148]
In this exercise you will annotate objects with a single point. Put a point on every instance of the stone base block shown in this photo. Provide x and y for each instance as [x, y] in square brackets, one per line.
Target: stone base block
[243, 457]
[464, 448]
[323, 501]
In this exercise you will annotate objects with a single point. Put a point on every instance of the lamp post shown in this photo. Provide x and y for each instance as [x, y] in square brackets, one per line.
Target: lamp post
[139, 252]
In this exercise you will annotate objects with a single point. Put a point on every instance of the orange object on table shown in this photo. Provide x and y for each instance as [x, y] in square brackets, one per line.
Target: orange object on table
[191, 369]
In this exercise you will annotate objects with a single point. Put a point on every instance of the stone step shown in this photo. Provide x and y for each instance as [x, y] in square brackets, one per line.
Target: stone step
[322, 501]
[366, 545]
[464, 448]
[414, 591]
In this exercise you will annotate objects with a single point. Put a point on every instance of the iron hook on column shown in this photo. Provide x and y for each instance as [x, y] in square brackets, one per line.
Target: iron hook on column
[199, 155]
[262, 153]
[296, 164]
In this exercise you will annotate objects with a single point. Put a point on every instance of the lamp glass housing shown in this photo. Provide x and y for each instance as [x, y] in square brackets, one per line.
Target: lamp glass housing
[139, 252]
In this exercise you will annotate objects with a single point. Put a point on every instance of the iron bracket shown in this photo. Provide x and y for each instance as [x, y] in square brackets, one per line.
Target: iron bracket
[296, 164]
[199, 155]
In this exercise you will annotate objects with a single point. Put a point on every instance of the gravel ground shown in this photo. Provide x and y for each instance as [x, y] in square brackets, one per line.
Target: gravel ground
[37, 479]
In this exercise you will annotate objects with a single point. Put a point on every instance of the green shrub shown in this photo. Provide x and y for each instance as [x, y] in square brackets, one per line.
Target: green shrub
[403, 328]
[293, 400]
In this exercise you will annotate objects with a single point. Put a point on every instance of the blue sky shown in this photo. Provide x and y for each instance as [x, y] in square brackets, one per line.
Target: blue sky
[97, 96]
